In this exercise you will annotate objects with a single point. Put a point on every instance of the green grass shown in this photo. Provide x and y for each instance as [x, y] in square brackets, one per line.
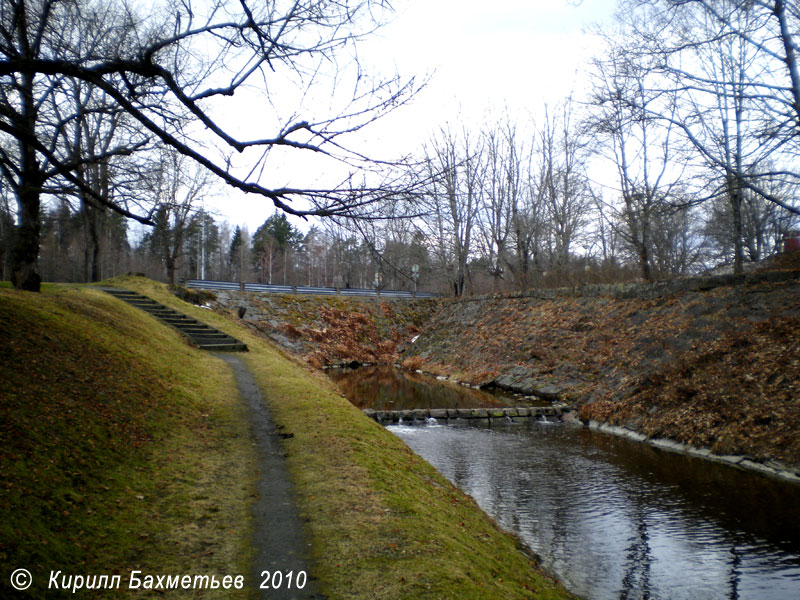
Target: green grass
[128, 449]
[383, 522]
[120, 446]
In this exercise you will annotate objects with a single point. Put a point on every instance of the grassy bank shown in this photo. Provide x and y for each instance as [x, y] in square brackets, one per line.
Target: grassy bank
[383, 523]
[121, 447]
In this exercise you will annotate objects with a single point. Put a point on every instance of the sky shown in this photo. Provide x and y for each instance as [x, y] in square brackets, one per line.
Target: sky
[482, 59]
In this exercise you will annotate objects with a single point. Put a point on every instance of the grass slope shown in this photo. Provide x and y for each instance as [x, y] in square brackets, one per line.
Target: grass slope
[383, 523]
[121, 447]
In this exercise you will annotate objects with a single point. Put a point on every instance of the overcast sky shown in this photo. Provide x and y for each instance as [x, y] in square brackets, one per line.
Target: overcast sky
[483, 58]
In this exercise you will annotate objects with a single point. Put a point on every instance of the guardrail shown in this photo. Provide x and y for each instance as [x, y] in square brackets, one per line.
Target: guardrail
[205, 284]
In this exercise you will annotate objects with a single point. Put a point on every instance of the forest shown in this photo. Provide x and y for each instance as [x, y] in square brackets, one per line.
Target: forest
[679, 158]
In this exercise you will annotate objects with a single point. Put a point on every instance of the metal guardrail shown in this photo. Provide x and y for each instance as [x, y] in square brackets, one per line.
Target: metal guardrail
[205, 284]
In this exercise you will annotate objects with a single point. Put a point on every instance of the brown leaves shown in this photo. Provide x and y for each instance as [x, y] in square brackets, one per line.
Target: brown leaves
[719, 368]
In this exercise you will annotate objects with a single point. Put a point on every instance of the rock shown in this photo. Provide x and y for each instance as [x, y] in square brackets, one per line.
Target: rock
[547, 391]
[671, 445]
[727, 458]
[634, 423]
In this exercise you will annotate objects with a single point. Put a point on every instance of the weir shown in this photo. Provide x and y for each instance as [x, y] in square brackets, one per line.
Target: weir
[385, 417]
[611, 515]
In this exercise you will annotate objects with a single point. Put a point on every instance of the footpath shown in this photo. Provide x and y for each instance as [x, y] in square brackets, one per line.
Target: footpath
[281, 566]
[278, 538]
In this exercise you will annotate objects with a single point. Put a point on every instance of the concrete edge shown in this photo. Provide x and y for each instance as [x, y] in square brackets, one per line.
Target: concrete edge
[772, 468]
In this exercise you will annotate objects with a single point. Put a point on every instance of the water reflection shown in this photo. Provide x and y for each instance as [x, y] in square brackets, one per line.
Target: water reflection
[386, 388]
[612, 518]
[617, 519]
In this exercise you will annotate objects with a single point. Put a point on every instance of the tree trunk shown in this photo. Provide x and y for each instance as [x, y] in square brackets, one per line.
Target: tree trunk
[91, 260]
[170, 262]
[26, 241]
[644, 262]
[28, 235]
[735, 199]
[95, 260]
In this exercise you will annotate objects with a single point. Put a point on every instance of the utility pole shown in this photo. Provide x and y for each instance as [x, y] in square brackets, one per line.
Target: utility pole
[202, 243]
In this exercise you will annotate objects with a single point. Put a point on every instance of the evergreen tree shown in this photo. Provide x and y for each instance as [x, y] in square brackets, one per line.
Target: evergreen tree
[235, 250]
[273, 243]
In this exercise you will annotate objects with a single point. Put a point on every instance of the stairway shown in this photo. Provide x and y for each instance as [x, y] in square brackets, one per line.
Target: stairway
[203, 336]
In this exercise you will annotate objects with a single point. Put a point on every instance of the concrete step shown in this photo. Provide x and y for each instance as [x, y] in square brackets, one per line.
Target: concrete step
[179, 320]
[203, 336]
[221, 339]
[221, 347]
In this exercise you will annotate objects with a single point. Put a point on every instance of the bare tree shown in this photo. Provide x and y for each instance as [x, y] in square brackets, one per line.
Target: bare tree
[528, 226]
[710, 72]
[177, 186]
[562, 182]
[455, 171]
[625, 118]
[742, 54]
[503, 187]
[174, 70]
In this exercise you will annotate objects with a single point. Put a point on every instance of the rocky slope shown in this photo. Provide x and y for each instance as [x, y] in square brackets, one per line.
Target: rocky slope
[713, 362]
[710, 362]
[330, 330]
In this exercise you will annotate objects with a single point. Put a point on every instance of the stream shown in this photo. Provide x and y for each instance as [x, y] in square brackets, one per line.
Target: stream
[611, 518]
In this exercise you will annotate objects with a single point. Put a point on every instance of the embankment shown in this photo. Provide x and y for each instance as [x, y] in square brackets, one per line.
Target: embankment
[125, 448]
[383, 523]
[711, 362]
[121, 447]
[330, 330]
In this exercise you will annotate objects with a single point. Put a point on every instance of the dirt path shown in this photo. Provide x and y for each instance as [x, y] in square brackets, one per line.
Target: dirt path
[278, 536]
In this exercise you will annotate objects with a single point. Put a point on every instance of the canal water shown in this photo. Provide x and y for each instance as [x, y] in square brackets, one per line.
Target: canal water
[383, 387]
[612, 518]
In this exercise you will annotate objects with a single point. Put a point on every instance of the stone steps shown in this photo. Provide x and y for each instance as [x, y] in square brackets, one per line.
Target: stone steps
[446, 414]
[203, 336]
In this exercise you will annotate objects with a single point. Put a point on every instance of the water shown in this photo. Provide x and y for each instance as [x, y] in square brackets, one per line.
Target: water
[615, 519]
[386, 388]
